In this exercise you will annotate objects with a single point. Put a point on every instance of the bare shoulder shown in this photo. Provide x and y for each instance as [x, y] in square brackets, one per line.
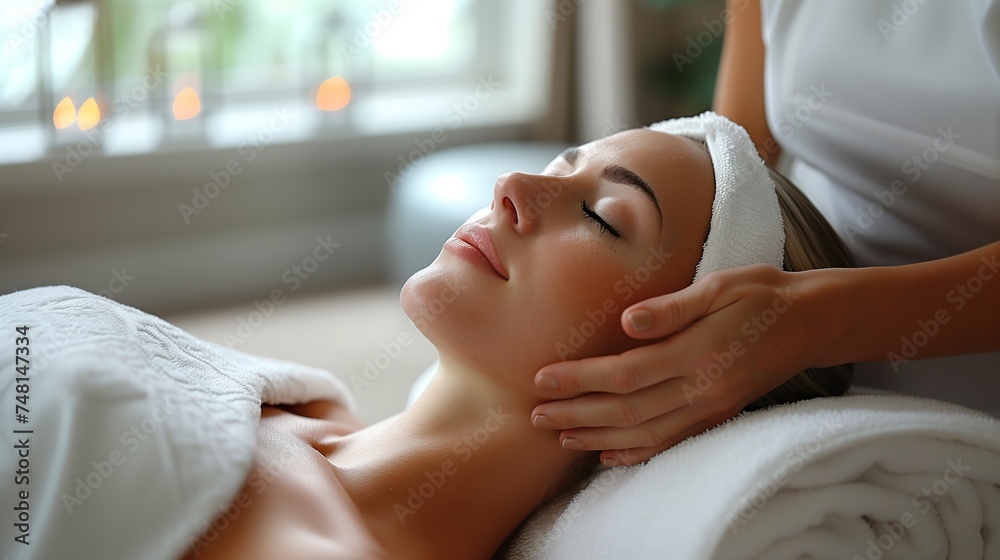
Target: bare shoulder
[291, 504]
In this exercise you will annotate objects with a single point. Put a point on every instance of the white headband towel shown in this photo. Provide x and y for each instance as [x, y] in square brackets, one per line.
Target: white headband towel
[746, 226]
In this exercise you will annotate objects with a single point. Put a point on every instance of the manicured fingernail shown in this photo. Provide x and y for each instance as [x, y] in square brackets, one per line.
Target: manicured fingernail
[611, 462]
[547, 382]
[572, 443]
[543, 422]
[641, 320]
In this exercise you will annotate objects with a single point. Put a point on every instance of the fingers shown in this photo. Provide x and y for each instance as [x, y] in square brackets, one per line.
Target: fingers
[630, 446]
[634, 456]
[664, 315]
[605, 409]
[622, 373]
[643, 401]
[641, 367]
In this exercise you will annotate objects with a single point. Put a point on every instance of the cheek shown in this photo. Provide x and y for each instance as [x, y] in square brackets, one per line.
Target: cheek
[587, 287]
[577, 297]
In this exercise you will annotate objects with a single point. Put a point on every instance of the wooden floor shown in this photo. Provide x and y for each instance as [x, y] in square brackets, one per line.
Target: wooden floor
[337, 331]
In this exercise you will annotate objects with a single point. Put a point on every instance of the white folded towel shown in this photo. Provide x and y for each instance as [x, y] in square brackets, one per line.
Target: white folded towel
[140, 433]
[848, 478]
[746, 226]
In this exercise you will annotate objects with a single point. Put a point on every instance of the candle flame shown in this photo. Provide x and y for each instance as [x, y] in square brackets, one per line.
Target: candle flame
[334, 94]
[90, 114]
[65, 113]
[187, 105]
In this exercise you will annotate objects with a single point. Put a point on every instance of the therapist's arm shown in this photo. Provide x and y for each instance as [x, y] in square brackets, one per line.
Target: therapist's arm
[926, 310]
[739, 88]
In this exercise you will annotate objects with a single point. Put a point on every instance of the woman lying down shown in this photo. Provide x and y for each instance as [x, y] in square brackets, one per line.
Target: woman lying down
[454, 475]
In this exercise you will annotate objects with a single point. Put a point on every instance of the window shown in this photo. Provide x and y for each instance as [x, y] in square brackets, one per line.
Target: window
[137, 75]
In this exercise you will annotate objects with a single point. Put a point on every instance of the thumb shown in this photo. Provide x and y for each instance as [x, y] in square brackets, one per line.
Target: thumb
[665, 315]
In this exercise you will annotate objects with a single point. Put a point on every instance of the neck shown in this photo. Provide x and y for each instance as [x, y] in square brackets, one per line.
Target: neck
[454, 475]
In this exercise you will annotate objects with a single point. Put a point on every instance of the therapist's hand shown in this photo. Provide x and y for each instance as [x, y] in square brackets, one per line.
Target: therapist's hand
[732, 336]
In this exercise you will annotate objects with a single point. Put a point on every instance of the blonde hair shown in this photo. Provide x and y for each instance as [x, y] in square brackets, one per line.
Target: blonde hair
[810, 243]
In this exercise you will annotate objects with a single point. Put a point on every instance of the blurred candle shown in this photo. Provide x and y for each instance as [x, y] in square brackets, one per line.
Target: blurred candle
[65, 113]
[334, 94]
[90, 114]
[187, 104]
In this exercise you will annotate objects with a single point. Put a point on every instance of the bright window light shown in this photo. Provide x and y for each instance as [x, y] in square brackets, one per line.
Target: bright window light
[175, 71]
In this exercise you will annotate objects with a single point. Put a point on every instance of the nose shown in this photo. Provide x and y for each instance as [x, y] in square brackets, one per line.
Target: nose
[515, 199]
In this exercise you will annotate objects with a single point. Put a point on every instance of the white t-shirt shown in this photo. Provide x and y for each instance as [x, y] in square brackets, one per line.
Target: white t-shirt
[890, 113]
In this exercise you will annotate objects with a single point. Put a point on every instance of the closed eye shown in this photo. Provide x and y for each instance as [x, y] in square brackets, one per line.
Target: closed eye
[604, 226]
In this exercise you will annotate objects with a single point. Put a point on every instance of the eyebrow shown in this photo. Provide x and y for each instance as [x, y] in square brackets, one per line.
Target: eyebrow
[620, 175]
[624, 176]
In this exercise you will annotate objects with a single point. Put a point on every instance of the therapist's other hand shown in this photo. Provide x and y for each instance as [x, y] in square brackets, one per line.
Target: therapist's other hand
[732, 336]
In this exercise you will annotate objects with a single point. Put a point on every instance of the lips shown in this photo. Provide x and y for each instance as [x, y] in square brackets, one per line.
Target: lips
[478, 236]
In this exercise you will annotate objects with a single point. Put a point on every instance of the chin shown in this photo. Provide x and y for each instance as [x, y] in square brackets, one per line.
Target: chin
[412, 297]
[435, 297]
[455, 311]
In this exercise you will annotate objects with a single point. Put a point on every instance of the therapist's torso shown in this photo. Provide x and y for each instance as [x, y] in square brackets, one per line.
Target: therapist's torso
[890, 111]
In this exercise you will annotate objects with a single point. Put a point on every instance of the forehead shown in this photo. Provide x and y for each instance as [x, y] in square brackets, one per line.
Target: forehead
[663, 160]
[641, 143]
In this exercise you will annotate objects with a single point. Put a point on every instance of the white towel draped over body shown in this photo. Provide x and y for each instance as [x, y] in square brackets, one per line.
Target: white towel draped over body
[847, 478]
[141, 433]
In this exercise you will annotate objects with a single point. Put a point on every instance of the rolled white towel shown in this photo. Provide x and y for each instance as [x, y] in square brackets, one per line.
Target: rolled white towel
[857, 477]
